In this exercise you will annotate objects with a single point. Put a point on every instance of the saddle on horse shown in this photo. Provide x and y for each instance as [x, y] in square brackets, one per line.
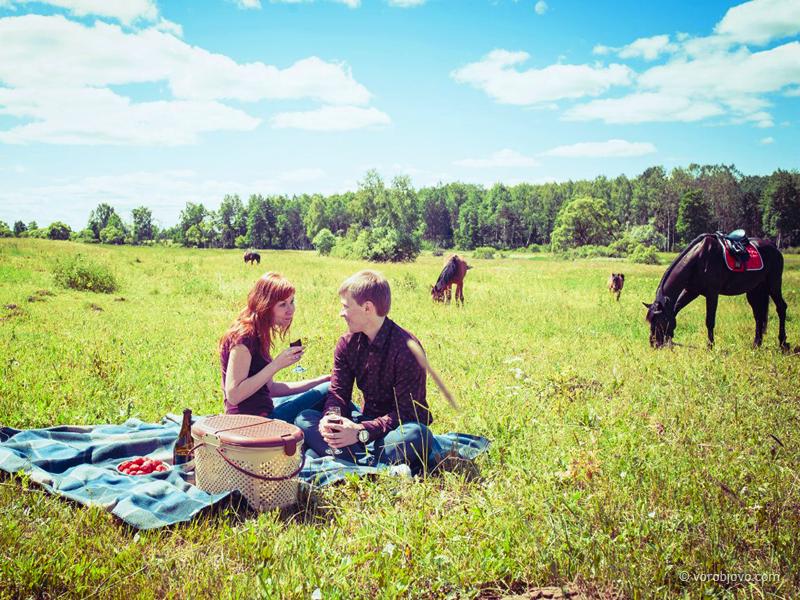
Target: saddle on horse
[739, 249]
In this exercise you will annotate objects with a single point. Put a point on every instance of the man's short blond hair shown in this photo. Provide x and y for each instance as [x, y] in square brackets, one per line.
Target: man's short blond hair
[369, 285]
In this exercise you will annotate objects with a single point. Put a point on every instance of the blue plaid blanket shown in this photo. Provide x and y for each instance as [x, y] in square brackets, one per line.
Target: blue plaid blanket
[80, 463]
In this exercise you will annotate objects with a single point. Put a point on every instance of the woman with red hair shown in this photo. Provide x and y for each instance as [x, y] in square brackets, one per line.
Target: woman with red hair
[248, 368]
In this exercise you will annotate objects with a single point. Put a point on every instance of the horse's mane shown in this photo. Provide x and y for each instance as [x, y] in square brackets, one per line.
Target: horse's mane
[448, 272]
[692, 244]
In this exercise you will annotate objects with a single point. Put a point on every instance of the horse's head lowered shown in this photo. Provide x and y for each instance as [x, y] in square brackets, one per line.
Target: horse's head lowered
[661, 316]
[437, 294]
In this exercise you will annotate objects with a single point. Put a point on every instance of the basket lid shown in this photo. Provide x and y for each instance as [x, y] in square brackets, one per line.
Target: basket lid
[250, 431]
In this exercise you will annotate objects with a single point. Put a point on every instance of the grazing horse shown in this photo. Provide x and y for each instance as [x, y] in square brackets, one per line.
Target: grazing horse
[701, 270]
[252, 257]
[615, 283]
[453, 273]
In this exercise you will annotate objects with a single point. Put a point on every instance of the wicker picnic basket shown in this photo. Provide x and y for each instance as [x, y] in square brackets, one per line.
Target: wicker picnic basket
[258, 457]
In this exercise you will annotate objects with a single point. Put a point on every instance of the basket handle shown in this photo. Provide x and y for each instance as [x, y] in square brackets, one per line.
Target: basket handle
[263, 477]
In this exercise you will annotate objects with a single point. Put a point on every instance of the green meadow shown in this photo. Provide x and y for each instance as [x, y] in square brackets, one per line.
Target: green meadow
[615, 470]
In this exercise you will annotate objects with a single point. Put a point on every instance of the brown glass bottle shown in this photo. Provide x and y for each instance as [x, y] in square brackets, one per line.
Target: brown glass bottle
[182, 452]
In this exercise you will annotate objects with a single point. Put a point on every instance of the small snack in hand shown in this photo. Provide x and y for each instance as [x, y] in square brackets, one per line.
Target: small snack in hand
[296, 343]
[141, 465]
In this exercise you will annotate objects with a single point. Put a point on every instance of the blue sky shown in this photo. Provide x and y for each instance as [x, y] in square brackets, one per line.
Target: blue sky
[141, 102]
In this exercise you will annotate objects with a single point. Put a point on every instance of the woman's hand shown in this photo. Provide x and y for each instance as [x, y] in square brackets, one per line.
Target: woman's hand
[289, 357]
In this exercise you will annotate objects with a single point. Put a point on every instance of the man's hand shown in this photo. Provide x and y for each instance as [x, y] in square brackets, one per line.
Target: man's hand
[339, 435]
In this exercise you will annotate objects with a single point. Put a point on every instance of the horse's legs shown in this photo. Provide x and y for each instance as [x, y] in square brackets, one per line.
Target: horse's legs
[759, 302]
[711, 316]
[460, 293]
[780, 305]
[449, 294]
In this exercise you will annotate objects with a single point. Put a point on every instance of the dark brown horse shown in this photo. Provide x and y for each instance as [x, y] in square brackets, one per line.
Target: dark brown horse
[700, 270]
[453, 273]
[252, 258]
[615, 283]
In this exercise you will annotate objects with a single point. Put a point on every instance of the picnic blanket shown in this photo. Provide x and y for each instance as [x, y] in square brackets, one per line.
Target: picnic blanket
[79, 462]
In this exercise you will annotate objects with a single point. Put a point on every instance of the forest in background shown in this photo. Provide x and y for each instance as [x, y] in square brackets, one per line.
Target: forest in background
[393, 221]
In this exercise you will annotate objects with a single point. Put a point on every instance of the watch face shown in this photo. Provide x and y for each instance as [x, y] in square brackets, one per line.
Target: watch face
[363, 436]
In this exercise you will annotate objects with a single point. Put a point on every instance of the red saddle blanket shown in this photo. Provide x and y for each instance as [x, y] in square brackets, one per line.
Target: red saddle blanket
[753, 262]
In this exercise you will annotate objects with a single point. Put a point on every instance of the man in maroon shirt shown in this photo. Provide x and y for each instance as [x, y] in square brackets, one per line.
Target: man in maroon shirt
[373, 354]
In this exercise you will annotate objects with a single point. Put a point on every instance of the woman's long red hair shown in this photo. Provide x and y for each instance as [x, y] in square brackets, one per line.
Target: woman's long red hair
[256, 317]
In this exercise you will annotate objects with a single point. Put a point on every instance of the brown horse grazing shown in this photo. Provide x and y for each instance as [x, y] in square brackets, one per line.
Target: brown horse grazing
[252, 258]
[701, 270]
[615, 283]
[453, 273]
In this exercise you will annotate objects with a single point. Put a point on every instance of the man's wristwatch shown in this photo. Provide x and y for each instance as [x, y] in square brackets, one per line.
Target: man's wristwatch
[363, 436]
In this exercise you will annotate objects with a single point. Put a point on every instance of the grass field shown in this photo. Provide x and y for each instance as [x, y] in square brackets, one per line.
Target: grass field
[614, 468]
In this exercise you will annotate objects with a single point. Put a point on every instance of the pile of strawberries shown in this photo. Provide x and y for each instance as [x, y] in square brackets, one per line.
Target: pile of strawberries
[141, 465]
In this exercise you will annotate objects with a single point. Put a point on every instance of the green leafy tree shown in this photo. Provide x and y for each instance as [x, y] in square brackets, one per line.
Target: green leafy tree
[324, 241]
[648, 192]
[111, 234]
[100, 218]
[582, 221]
[752, 189]
[32, 226]
[694, 216]
[58, 231]
[191, 215]
[781, 208]
[19, 227]
[142, 224]
[5, 230]
[365, 202]
[437, 227]
[315, 218]
[231, 220]
[468, 234]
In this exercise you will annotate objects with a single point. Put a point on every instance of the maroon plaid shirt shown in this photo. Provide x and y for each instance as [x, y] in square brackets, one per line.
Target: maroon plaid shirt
[391, 379]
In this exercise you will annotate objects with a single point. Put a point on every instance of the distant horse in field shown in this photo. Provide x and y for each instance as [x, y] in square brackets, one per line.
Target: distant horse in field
[707, 268]
[615, 283]
[252, 258]
[453, 273]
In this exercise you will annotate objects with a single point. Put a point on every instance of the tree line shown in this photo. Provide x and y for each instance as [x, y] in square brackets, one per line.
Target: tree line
[381, 221]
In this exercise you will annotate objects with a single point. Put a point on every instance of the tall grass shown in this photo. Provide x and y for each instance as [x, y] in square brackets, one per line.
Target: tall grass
[614, 468]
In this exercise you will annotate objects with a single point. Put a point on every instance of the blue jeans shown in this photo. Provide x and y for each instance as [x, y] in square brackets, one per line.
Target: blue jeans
[409, 443]
[287, 408]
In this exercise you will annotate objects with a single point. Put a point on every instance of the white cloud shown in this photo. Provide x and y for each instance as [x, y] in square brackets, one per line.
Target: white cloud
[167, 192]
[609, 149]
[793, 92]
[64, 86]
[760, 21]
[495, 75]
[331, 118]
[767, 140]
[406, 3]
[602, 50]
[99, 116]
[648, 48]
[103, 54]
[643, 108]
[501, 159]
[125, 11]
[708, 83]
[728, 73]
[348, 3]
[541, 7]
[248, 4]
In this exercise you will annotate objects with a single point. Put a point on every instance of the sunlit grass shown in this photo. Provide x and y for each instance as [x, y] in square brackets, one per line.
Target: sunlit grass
[613, 466]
